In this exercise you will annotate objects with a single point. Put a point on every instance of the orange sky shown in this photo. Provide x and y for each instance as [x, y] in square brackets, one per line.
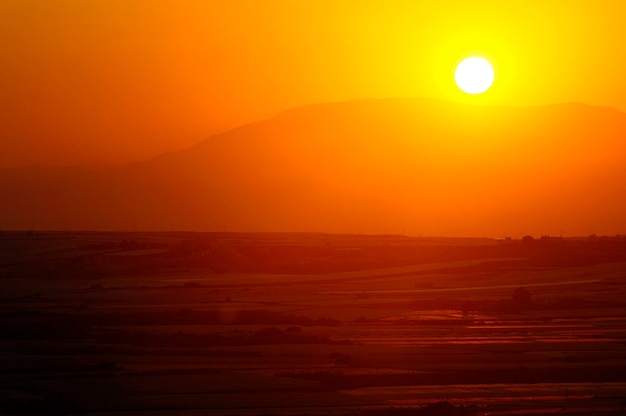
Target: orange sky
[111, 81]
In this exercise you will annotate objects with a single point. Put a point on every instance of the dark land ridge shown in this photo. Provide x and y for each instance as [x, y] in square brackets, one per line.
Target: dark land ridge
[404, 166]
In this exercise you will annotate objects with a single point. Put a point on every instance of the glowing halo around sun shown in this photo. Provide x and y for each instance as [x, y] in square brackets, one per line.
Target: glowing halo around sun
[474, 75]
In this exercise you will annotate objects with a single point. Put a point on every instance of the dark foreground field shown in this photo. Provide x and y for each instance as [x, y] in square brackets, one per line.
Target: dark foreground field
[310, 324]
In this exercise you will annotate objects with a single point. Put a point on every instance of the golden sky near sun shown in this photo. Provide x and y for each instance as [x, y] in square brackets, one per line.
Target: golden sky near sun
[104, 81]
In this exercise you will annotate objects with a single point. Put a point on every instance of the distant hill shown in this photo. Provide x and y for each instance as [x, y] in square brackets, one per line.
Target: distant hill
[415, 166]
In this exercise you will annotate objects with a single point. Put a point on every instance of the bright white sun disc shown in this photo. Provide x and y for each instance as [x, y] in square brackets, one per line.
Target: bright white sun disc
[474, 75]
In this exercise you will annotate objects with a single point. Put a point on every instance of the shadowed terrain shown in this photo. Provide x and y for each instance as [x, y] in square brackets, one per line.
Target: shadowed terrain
[310, 324]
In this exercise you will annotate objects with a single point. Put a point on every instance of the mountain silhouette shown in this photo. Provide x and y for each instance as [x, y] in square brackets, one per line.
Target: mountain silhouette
[415, 166]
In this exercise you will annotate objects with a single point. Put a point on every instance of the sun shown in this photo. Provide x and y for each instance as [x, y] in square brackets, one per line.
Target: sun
[474, 75]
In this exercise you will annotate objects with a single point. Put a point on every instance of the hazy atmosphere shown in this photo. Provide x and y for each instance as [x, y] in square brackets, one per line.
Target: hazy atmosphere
[313, 117]
[116, 81]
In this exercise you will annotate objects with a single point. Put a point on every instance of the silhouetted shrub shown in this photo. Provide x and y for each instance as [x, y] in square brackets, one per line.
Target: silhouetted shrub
[293, 330]
[341, 358]
[53, 407]
[522, 297]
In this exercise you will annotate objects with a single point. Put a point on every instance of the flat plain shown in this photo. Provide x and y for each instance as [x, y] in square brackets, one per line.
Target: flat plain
[310, 324]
